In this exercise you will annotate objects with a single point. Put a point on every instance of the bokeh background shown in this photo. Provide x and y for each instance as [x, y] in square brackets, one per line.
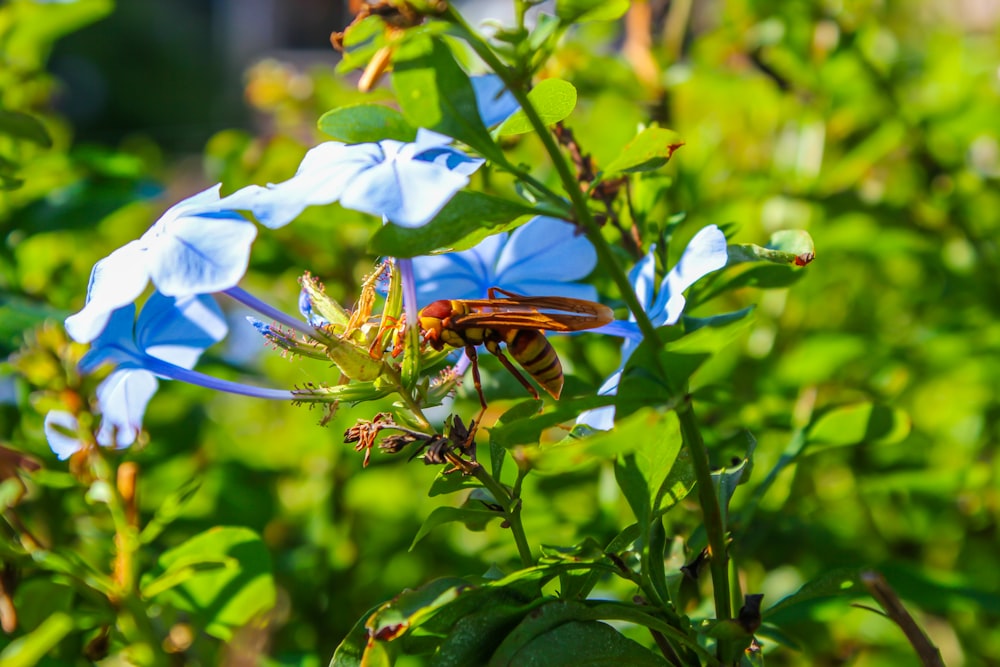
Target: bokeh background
[873, 124]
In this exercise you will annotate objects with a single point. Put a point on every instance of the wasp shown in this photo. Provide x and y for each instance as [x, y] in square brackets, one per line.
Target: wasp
[515, 321]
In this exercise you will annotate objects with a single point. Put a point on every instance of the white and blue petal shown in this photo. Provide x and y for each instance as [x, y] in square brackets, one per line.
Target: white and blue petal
[705, 253]
[324, 174]
[115, 281]
[545, 249]
[495, 102]
[62, 444]
[199, 254]
[122, 398]
[178, 330]
[603, 418]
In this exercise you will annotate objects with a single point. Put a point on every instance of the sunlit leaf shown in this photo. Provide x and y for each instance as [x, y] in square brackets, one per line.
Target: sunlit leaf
[553, 99]
[360, 123]
[33, 647]
[433, 92]
[443, 515]
[578, 11]
[222, 598]
[845, 581]
[861, 423]
[651, 149]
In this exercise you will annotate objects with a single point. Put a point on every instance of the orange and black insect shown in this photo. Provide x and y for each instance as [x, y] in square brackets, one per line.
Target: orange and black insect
[516, 321]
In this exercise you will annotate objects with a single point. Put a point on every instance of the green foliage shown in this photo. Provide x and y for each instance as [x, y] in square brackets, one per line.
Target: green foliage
[840, 371]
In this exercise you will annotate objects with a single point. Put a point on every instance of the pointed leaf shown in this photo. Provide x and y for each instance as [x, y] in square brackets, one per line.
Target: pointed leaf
[844, 581]
[363, 123]
[22, 126]
[862, 423]
[32, 648]
[443, 515]
[651, 149]
[227, 598]
[579, 11]
[433, 92]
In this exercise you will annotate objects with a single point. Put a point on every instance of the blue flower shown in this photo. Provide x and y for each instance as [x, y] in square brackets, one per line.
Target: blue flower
[704, 254]
[170, 333]
[404, 183]
[495, 102]
[544, 257]
[198, 246]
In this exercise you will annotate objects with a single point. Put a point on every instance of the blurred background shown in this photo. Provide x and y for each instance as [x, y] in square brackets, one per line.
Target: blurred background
[873, 124]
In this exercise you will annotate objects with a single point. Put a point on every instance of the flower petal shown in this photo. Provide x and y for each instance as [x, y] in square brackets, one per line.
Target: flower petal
[323, 175]
[199, 254]
[705, 253]
[643, 277]
[122, 398]
[63, 445]
[406, 192]
[495, 102]
[457, 275]
[178, 330]
[115, 344]
[545, 249]
[116, 280]
[602, 419]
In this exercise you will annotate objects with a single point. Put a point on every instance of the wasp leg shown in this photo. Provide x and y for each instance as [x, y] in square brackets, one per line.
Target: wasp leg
[513, 371]
[470, 444]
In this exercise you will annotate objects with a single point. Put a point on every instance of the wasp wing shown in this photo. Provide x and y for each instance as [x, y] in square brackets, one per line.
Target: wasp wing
[550, 313]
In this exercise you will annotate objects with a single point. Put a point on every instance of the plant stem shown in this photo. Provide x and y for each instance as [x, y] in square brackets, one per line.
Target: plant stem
[689, 427]
[712, 513]
[512, 511]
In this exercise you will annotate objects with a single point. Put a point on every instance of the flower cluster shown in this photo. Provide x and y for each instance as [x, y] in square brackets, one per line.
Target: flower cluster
[201, 247]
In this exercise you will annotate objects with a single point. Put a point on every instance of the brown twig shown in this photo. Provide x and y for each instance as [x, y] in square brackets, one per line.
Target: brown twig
[880, 589]
[605, 191]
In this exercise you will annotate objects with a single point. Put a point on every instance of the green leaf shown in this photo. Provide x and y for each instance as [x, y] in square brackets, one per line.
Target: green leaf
[529, 431]
[351, 651]
[682, 355]
[361, 123]
[446, 483]
[182, 571]
[435, 93]
[475, 636]
[33, 647]
[787, 246]
[553, 99]
[552, 635]
[579, 11]
[635, 489]
[650, 150]
[759, 276]
[411, 607]
[844, 581]
[22, 126]
[861, 423]
[443, 515]
[169, 510]
[221, 598]
[727, 479]
[592, 643]
[463, 222]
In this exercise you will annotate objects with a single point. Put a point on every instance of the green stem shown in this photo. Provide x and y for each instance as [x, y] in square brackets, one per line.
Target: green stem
[566, 176]
[511, 505]
[711, 511]
[689, 427]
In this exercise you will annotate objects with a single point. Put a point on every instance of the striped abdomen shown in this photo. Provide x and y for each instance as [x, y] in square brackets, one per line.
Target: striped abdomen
[537, 356]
